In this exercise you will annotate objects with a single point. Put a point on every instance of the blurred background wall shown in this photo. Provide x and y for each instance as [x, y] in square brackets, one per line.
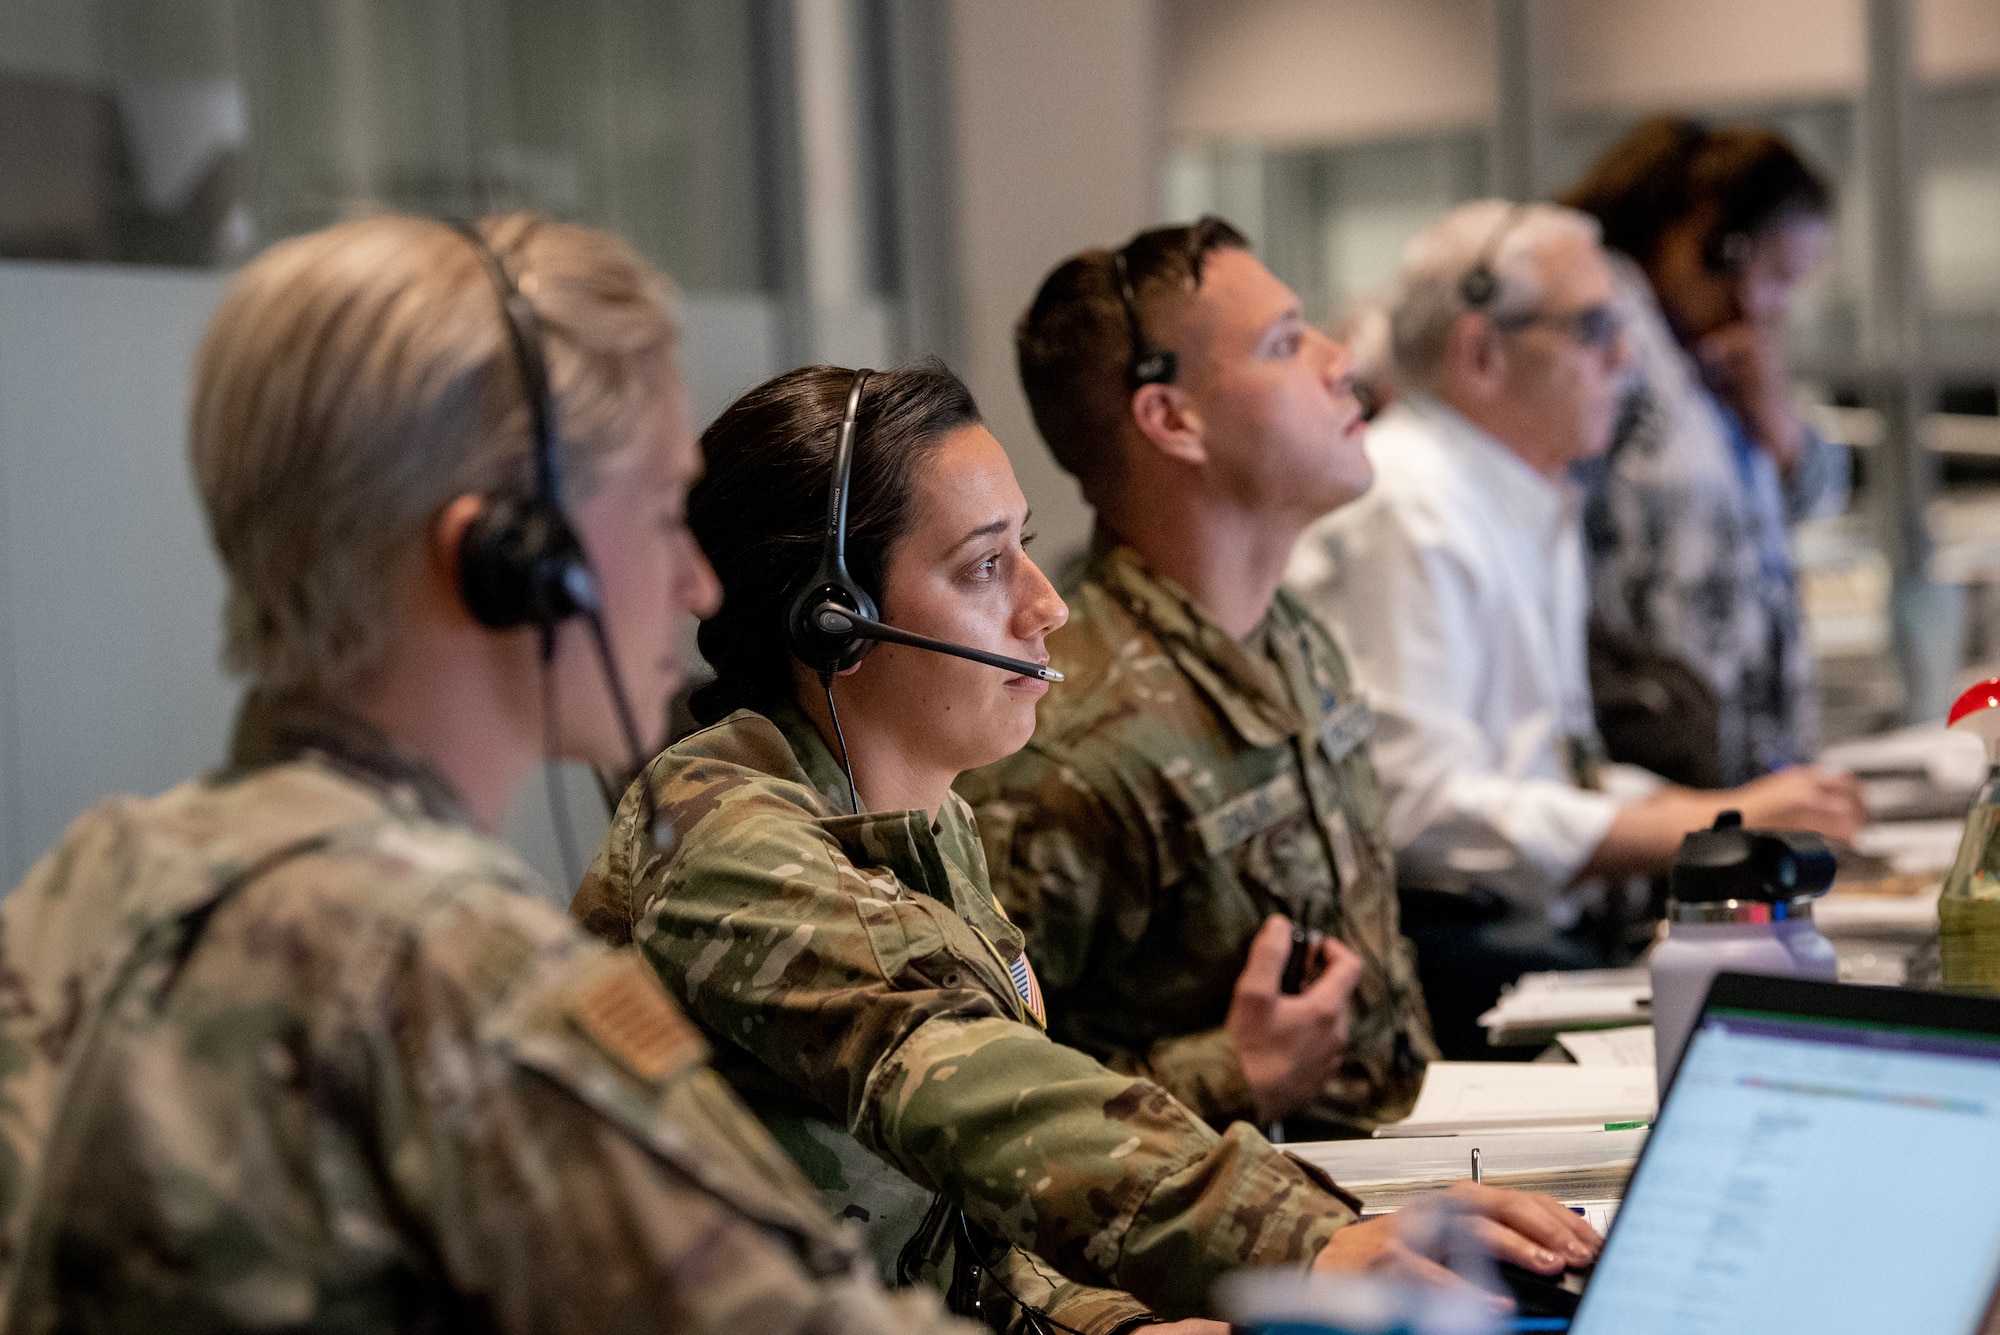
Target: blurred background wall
[860, 181]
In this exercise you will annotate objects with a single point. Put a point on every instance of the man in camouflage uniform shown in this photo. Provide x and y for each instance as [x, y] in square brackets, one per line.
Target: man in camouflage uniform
[294, 1047]
[1204, 766]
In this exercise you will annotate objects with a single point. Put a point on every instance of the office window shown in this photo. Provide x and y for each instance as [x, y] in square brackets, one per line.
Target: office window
[190, 132]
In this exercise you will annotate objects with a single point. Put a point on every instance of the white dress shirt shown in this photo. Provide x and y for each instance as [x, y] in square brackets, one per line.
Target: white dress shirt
[1456, 587]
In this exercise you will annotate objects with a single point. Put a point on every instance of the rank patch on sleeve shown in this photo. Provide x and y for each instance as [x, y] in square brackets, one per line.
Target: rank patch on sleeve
[625, 1012]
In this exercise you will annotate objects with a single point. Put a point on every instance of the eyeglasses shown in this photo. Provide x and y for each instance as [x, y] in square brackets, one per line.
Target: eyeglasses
[1593, 326]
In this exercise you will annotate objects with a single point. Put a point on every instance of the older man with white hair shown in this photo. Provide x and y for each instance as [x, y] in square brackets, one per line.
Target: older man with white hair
[1457, 589]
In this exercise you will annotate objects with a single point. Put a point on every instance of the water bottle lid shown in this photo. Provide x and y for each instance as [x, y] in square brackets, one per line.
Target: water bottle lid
[1732, 862]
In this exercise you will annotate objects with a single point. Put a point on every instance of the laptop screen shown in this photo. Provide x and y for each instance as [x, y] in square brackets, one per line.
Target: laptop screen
[1817, 1174]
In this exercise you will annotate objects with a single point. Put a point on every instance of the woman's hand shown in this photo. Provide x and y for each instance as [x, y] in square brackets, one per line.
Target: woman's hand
[1290, 1046]
[1745, 364]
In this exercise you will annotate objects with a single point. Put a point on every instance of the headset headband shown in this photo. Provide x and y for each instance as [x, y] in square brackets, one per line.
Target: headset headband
[524, 335]
[1150, 365]
[833, 561]
[1480, 287]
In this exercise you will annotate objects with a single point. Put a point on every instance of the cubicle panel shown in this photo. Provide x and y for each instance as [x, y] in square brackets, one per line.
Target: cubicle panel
[109, 596]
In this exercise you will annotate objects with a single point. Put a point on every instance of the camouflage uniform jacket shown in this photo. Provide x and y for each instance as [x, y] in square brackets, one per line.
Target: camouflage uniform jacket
[853, 972]
[1178, 790]
[292, 1048]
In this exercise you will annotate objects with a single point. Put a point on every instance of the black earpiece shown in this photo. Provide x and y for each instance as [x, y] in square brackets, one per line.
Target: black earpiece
[830, 622]
[519, 563]
[1725, 251]
[818, 623]
[1479, 286]
[1150, 365]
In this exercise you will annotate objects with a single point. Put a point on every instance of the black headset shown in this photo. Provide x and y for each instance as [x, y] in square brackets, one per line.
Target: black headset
[832, 620]
[1150, 365]
[519, 561]
[1480, 285]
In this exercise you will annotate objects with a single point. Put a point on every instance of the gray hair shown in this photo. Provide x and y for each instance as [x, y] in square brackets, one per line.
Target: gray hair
[1428, 296]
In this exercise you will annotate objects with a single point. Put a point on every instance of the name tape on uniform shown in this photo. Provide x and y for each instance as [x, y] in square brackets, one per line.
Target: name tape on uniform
[1247, 813]
[1347, 727]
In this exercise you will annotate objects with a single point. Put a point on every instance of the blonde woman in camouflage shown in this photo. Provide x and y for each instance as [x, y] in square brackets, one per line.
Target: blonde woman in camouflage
[840, 945]
[297, 1045]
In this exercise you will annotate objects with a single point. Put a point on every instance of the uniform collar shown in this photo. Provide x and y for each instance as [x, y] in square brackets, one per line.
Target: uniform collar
[1246, 688]
[278, 728]
[953, 831]
[823, 772]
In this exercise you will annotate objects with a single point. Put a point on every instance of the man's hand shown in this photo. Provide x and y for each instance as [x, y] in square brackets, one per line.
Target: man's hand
[1804, 797]
[1745, 364]
[1195, 1327]
[1535, 1232]
[1290, 1046]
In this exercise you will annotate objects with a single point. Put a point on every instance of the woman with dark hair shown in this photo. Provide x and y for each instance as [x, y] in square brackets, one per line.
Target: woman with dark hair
[822, 905]
[1687, 524]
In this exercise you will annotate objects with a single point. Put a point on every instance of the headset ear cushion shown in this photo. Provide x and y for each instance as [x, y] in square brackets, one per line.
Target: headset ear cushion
[1479, 286]
[519, 565]
[817, 649]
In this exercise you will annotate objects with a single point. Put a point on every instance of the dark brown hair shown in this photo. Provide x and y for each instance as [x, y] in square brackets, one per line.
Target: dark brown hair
[1669, 167]
[1074, 343]
[760, 510]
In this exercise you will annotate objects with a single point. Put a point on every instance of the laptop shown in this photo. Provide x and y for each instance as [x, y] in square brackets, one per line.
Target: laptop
[1827, 1159]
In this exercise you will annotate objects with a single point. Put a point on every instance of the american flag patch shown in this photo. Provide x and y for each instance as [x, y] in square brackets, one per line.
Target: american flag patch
[1029, 986]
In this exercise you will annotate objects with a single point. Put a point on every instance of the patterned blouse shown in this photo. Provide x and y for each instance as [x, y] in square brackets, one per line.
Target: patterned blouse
[1687, 527]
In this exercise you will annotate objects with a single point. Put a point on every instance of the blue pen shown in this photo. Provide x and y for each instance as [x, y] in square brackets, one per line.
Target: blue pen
[1539, 1323]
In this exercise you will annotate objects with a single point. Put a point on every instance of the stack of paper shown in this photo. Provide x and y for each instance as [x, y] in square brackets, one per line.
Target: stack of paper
[1882, 926]
[1911, 847]
[1464, 1098]
[1913, 773]
[1587, 1170]
[1632, 1046]
[1541, 1005]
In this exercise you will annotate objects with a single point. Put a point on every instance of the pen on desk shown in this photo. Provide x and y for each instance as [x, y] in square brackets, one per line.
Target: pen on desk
[1475, 1164]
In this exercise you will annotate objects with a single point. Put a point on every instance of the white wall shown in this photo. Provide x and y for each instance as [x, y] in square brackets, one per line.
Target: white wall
[1059, 144]
[1283, 72]
[109, 596]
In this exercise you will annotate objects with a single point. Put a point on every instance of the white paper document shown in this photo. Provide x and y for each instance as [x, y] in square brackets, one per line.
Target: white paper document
[1630, 1046]
[1583, 1169]
[1461, 1098]
[1541, 1005]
